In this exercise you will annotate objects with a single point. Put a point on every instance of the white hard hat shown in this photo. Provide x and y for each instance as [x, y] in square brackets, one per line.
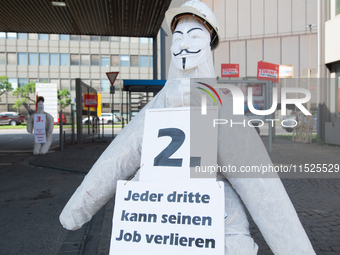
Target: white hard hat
[200, 11]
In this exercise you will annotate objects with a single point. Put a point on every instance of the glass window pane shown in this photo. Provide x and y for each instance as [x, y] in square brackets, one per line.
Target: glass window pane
[64, 37]
[105, 61]
[105, 85]
[43, 59]
[14, 82]
[22, 82]
[143, 40]
[22, 36]
[337, 7]
[65, 84]
[85, 60]
[11, 35]
[64, 59]
[105, 38]
[43, 36]
[22, 58]
[33, 36]
[134, 39]
[44, 80]
[151, 61]
[33, 59]
[74, 37]
[2, 58]
[2, 35]
[94, 38]
[74, 60]
[54, 37]
[114, 60]
[124, 60]
[115, 39]
[85, 38]
[144, 61]
[134, 61]
[11, 58]
[150, 40]
[55, 81]
[54, 59]
[94, 60]
[125, 39]
[33, 79]
[73, 85]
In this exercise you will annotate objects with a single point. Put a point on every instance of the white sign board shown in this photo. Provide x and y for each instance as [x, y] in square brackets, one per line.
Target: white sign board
[50, 93]
[39, 128]
[177, 217]
[167, 149]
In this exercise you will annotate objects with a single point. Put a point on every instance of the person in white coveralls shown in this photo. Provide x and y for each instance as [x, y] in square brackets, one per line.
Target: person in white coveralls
[42, 148]
[195, 34]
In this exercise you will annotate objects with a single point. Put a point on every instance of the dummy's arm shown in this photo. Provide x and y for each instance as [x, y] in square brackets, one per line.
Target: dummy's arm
[29, 126]
[119, 161]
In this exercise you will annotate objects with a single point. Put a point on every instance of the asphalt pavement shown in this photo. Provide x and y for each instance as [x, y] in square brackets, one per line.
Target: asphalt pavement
[34, 190]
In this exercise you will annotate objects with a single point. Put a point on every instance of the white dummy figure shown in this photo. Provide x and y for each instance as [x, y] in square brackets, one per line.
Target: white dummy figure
[42, 148]
[265, 199]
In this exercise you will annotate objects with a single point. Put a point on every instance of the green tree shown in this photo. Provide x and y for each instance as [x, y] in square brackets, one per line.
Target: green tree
[5, 86]
[27, 96]
[64, 99]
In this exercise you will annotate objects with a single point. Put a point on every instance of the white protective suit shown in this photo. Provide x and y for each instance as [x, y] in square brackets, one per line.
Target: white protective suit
[266, 198]
[42, 148]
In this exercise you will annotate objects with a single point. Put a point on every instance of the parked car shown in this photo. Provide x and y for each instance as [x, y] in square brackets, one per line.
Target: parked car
[11, 118]
[290, 122]
[106, 117]
[58, 121]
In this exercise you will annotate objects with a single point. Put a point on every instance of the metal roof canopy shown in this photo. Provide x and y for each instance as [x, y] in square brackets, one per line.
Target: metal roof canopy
[143, 85]
[131, 18]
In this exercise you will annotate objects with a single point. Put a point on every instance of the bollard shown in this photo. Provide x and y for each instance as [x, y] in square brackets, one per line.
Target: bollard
[103, 126]
[92, 129]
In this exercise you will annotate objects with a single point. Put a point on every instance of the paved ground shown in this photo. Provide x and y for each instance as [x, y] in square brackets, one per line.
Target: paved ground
[34, 189]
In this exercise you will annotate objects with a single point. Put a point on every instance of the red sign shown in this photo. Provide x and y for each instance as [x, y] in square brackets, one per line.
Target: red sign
[230, 70]
[267, 71]
[90, 100]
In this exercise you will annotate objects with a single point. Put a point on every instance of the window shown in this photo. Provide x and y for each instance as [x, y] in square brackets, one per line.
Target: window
[33, 36]
[22, 36]
[143, 40]
[115, 39]
[65, 84]
[2, 58]
[73, 85]
[22, 82]
[84, 60]
[64, 37]
[134, 40]
[94, 38]
[124, 61]
[105, 60]
[43, 59]
[85, 38]
[54, 59]
[105, 85]
[74, 37]
[22, 58]
[54, 37]
[11, 58]
[11, 35]
[337, 7]
[125, 39]
[2, 35]
[114, 60]
[44, 80]
[144, 61]
[105, 38]
[74, 60]
[94, 60]
[134, 61]
[151, 61]
[55, 81]
[43, 37]
[64, 59]
[150, 40]
[33, 59]
[14, 82]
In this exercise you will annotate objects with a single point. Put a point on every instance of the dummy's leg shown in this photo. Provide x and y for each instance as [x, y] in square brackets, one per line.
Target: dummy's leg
[46, 146]
[37, 147]
[237, 236]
